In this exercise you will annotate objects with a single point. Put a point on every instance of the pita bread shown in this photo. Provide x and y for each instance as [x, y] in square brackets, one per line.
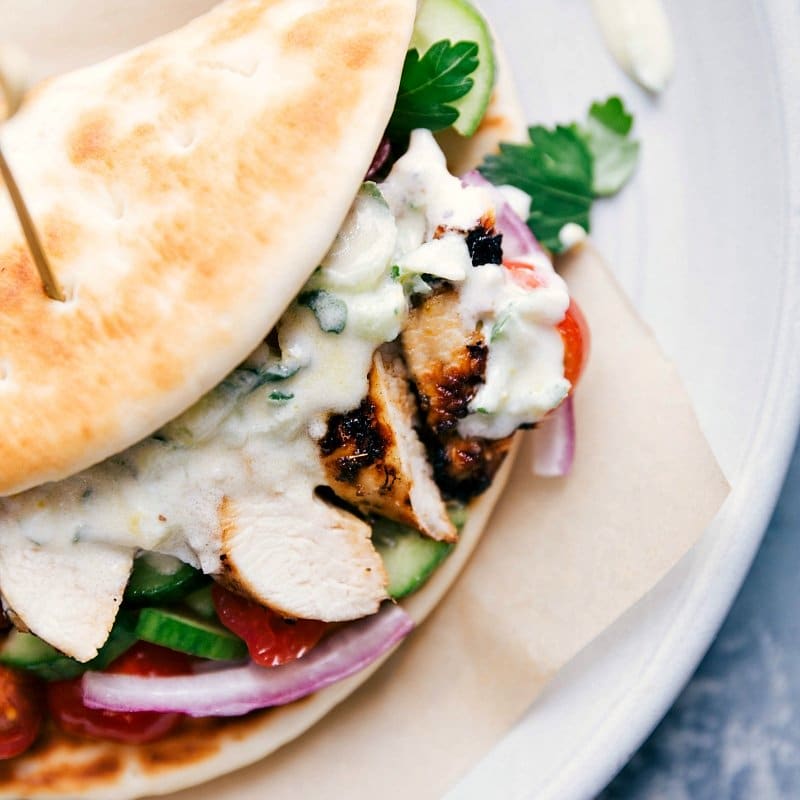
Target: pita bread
[62, 766]
[184, 192]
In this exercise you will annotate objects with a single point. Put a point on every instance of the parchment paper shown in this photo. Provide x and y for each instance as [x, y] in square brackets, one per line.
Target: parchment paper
[560, 561]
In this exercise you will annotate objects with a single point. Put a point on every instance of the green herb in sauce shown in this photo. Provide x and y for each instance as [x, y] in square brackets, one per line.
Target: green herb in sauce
[330, 311]
[280, 397]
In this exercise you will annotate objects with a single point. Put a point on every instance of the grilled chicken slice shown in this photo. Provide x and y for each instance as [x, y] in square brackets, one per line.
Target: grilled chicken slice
[309, 560]
[375, 461]
[69, 596]
[466, 465]
[447, 363]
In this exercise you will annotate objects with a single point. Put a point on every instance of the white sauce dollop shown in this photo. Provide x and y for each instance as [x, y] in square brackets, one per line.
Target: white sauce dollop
[525, 367]
[638, 34]
[423, 195]
[572, 235]
[519, 200]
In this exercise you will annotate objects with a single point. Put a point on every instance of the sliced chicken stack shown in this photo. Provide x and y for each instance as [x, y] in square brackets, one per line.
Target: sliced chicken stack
[68, 597]
[447, 363]
[303, 558]
[374, 459]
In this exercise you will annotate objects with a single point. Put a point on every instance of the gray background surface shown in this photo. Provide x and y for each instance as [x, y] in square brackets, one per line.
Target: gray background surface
[734, 732]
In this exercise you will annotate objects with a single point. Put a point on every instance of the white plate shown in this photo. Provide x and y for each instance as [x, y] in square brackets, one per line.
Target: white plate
[707, 243]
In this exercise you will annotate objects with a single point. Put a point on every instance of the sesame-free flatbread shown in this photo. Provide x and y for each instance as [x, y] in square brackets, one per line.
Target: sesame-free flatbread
[184, 192]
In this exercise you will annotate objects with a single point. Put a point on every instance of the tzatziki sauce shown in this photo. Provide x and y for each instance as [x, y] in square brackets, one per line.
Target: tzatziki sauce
[257, 431]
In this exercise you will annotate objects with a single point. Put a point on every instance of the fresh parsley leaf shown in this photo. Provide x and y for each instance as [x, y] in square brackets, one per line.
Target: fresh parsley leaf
[429, 84]
[565, 169]
[607, 135]
[556, 170]
[613, 115]
[497, 328]
[330, 311]
[280, 397]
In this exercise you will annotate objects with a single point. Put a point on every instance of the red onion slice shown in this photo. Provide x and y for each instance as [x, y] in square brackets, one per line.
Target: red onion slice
[554, 442]
[238, 690]
[380, 158]
[518, 239]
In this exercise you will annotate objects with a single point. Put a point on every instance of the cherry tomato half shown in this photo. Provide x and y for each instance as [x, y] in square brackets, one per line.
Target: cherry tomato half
[65, 700]
[271, 639]
[575, 335]
[573, 328]
[21, 710]
[523, 274]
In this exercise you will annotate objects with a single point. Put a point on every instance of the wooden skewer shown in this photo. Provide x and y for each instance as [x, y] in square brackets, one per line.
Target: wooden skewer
[51, 287]
[11, 95]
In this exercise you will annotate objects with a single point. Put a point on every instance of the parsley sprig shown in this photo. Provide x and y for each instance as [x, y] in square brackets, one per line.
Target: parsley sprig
[566, 168]
[556, 171]
[429, 84]
[607, 135]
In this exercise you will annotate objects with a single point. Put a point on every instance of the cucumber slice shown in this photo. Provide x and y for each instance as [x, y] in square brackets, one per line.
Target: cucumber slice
[29, 652]
[158, 579]
[409, 557]
[459, 21]
[201, 603]
[458, 514]
[122, 638]
[189, 634]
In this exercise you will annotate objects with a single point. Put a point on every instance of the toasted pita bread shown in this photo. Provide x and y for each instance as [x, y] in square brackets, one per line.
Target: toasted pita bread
[63, 766]
[184, 192]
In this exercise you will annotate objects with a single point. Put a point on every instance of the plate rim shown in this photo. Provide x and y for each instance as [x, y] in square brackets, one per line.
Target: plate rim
[754, 494]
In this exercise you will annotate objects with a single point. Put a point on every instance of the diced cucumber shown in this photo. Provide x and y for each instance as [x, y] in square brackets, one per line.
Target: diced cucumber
[459, 21]
[201, 603]
[409, 557]
[189, 634]
[363, 247]
[200, 422]
[330, 310]
[158, 579]
[29, 652]
[122, 637]
[458, 513]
